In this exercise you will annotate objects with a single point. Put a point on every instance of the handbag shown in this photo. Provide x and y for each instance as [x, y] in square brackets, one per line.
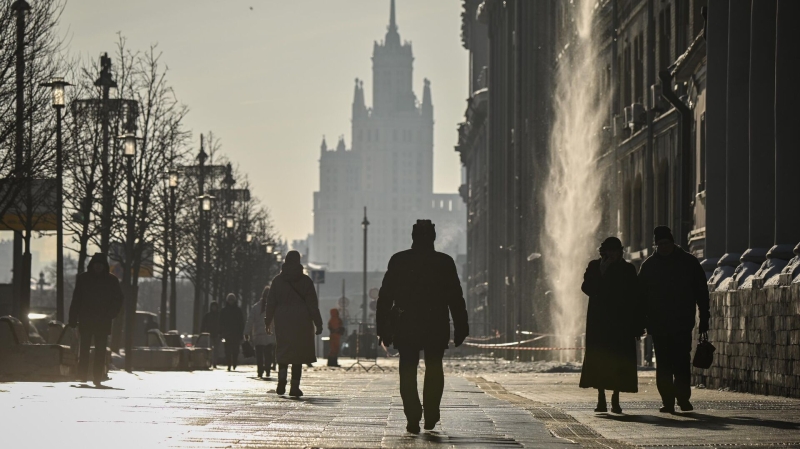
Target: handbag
[704, 354]
[247, 349]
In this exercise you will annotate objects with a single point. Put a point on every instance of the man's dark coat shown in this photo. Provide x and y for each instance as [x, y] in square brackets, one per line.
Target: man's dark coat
[231, 323]
[96, 300]
[425, 285]
[674, 287]
[613, 321]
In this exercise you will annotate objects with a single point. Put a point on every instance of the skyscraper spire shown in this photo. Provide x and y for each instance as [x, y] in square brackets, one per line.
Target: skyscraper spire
[359, 107]
[392, 37]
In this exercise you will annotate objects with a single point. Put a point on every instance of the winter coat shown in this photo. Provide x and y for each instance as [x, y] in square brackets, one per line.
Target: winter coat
[336, 328]
[231, 323]
[613, 321]
[255, 326]
[210, 324]
[424, 284]
[293, 308]
[674, 287]
[97, 298]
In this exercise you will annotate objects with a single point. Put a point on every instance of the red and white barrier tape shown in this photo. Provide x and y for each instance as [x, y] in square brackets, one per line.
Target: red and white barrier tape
[521, 348]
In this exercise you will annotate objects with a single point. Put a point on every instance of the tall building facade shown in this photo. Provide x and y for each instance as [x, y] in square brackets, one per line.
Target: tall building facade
[388, 169]
[697, 138]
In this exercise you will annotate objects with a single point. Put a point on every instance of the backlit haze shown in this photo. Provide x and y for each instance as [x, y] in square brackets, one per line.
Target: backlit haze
[269, 78]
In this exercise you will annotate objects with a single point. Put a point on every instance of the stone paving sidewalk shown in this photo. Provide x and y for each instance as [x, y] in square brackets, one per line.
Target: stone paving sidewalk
[219, 409]
[720, 418]
[215, 409]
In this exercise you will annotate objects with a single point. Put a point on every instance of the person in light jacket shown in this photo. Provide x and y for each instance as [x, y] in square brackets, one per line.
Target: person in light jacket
[256, 332]
[292, 303]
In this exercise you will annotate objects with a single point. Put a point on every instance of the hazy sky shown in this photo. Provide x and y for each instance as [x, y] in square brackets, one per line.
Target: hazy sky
[271, 77]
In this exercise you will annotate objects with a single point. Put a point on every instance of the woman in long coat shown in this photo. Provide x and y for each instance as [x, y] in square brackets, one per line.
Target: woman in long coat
[231, 324]
[293, 307]
[613, 322]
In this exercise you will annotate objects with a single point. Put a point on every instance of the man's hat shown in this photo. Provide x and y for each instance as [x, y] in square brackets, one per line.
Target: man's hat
[662, 233]
[611, 243]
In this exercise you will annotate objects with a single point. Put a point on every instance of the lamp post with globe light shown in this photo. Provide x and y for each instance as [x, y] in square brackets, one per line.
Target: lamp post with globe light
[129, 151]
[57, 86]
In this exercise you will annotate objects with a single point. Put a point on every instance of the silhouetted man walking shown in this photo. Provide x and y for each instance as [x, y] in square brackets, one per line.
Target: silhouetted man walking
[673, 284]
[96, 300]
[419, 288]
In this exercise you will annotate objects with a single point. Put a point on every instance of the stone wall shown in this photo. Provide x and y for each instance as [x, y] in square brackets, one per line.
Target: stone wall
[757, 336]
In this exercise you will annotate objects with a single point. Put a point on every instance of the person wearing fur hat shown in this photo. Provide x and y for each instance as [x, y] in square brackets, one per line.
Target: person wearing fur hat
[613, 321]
[673, 284]
[293, 307]
[96, 300]
[420, 291]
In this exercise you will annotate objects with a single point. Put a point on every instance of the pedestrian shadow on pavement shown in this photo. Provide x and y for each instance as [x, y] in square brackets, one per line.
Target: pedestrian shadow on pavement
[468, 440]
[704, 421]
[99, 387]
[324, 402]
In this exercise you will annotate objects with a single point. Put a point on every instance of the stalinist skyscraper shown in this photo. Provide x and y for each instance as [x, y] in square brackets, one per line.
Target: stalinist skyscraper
[388, 169]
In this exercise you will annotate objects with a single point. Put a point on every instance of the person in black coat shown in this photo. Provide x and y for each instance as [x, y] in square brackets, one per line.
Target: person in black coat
[613, 322]
[231, 324]
[420, 291]
[96, 300]
[674, 287]
[210, 324]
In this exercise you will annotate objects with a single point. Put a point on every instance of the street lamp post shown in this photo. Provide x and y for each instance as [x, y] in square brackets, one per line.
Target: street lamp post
[173, 294]
[129, 151]
[199, 285]
[57, 86]
[365, 225]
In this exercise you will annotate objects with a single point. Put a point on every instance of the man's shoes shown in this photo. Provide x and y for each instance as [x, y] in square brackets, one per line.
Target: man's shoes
[229, 367]
[601, 407]
[260, 374]
[97, 384]
[667, 409]
[295, 390]
[429, 425]
[616, 409]
[685, 406]
[234, 367]
[281, 388]
[412, 427]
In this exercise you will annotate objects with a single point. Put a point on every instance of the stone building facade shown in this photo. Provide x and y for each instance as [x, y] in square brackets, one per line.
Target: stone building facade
[697, 138]
[388, 169]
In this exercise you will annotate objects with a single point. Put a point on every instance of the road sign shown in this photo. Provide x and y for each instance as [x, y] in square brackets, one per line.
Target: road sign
[318, 276]
[343, 302]
[373, 293]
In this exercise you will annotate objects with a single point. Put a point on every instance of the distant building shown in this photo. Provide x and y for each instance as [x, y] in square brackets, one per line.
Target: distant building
[388, 169]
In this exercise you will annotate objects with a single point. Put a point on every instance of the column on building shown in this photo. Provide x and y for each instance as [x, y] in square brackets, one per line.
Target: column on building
[762, 126]
[737, 176]
[787, 100]
[717, 80]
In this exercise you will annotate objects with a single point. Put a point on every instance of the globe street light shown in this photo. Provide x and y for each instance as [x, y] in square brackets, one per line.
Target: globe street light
[129, 151]
[249, 237]
[270, 247]
[278, 257]
[230, 221]
[57, 86]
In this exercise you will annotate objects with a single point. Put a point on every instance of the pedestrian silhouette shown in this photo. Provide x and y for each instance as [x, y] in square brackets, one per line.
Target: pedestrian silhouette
[674, 286]
[96, 300]
[210, 324]
[292, 304]
[256, 331]
[336, 328]
[231, 325]
[613, 322]
[419, 288]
